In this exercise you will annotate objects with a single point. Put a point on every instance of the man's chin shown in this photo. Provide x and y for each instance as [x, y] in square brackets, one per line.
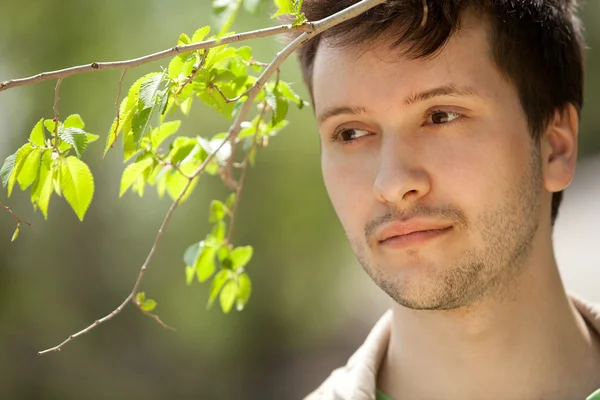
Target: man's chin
[421, 287]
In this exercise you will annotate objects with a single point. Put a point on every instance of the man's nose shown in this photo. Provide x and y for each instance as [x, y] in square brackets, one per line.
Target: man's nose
[401, 176]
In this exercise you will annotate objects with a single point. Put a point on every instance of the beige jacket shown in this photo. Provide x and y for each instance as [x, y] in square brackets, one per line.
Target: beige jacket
[357, 380]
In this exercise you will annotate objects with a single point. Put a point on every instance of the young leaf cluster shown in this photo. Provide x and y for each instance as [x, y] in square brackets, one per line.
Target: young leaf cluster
[50, 163]
[231, 284]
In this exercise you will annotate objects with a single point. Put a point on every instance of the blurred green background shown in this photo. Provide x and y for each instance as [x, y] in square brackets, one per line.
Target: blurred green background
[311, 304]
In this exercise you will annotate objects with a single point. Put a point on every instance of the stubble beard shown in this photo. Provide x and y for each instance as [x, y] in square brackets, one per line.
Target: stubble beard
[507, 231]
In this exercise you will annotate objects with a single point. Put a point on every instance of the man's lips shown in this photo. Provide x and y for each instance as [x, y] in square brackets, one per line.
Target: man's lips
[405, 234]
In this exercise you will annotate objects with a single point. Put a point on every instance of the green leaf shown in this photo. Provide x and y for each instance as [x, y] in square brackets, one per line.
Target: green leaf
[200, 34]
[186, 105]
[140, 297]
[217, 211]
[228, 295]
[133, 172]
[16, 234]
[219, 230]
[127, 109]
[200, 257]
[176, 64]
[150, 100]
[31, 169]
[230, 201]
[124, 114]
[205, 263]
[245, 53]
[149, 89]
[183, 39]
[74, 137]
[240, 256]
[216, 101]
[190, 272]
[56, 178]
[145, 304]
[140, 123]
[77, 183]
[148, 305]
[20, 159]
[50, 126]
[289, 94]
[245, 288]
[219, 58]
[7, 168]
[162, 132]
[74, 121]
[280, 110]
[42, 187]
[37, 135]
[91, 137]
[176, 184]
[283, 7]
[129, 147]
[191, 254]
[224, 254]
[182, 148]
[216, 286]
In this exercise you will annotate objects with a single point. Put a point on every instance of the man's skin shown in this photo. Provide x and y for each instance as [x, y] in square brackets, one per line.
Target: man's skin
[480, 310]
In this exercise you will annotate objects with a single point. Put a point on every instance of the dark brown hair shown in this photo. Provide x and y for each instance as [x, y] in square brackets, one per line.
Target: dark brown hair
[536, 44]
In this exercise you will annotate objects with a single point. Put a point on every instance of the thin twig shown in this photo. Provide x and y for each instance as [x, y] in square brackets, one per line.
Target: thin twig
[227, 99]
[136, 62]
[19, 219]
[193, 74]
[242, 180]
[155, 317]
[176, 168]
[234, 129]
[56, 98]
[160, 322]
[118, 106]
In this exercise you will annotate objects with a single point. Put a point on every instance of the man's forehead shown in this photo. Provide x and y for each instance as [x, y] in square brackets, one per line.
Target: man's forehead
[344, 72]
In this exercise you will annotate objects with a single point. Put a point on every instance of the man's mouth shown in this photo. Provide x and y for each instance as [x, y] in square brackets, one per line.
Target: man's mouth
[402, 235]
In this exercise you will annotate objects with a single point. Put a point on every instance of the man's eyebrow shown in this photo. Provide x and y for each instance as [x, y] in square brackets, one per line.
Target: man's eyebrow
[444, 90]
[335, 111]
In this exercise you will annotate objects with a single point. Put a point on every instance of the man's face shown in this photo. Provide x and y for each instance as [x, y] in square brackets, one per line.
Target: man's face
[430, 167]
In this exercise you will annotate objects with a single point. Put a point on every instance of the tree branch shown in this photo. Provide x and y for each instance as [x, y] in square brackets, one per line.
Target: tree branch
[310, 30]
[136, 62]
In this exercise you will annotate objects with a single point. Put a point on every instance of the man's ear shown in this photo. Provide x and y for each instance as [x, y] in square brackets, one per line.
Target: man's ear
[559, 148]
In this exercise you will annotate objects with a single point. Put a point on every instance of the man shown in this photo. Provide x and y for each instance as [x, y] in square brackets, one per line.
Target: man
[449, 130]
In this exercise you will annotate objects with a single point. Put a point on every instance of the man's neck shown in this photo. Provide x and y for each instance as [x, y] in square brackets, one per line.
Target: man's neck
[529, 344]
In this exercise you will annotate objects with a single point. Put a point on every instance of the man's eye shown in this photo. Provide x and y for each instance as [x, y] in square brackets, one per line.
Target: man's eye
[442, 117]
[348, 135]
